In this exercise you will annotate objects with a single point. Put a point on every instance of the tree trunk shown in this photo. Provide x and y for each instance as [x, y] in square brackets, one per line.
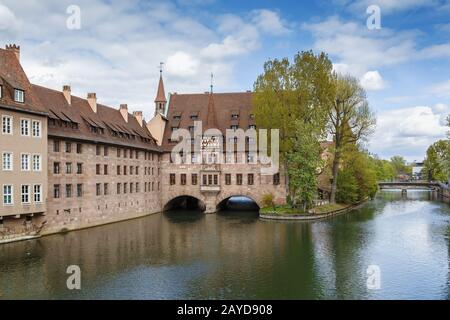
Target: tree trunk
[334, 173]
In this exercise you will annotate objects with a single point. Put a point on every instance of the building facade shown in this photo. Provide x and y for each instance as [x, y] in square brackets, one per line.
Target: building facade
[69, 162]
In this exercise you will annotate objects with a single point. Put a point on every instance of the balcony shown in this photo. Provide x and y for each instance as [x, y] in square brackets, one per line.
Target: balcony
[210, 188]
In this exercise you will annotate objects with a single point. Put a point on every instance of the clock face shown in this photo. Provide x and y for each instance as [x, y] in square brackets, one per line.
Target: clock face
[210, 143]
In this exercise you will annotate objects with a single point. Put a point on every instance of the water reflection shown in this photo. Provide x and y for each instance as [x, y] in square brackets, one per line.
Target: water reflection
[233, 254]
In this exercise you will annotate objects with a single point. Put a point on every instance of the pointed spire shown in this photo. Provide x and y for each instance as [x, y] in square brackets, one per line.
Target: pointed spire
[211, 121]
[161, 94]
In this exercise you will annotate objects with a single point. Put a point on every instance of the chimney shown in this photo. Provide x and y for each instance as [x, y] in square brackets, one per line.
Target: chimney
[92, 100]
[138, 116]
[14, 48]
[124, 111]
[67, 94]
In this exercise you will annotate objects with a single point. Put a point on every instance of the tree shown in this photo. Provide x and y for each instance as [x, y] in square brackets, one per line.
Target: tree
[304, 163]
[350, 120]
[400, 166]
[293, 97]
[437, 161]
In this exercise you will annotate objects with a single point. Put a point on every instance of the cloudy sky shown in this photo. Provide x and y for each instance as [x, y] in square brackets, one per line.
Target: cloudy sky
[404, 65]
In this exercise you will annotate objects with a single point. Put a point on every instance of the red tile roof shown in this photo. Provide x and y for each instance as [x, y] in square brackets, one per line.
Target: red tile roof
[222, 105]
[13, 77]
[161, 94]
[80, 113]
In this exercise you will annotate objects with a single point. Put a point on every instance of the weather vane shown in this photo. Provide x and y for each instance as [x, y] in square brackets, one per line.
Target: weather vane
[212, 79]
[161, 67]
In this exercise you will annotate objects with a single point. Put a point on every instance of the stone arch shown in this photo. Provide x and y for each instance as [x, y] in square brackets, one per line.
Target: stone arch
[184, 200]
[222, 199]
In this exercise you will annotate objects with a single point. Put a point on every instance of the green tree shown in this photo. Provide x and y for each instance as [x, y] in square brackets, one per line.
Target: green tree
[400, 165]
[437, 162]
[350, 121]
[293, 97]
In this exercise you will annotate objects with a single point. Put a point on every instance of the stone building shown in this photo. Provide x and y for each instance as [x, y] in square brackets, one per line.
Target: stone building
[69, 162]
[23, 149]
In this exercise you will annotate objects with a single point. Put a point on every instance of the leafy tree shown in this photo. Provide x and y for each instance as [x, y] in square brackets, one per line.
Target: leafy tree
[400, 165]
[304, 162]
[350, 120]
[293, 97]
[437, 161]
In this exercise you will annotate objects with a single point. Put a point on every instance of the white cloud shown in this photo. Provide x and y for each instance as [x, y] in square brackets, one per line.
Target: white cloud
[372, 81]
[408, 131]
[360, 50]
[8, 21]
[182, 64]
[120, 44]
[269, 21]
[441, 89]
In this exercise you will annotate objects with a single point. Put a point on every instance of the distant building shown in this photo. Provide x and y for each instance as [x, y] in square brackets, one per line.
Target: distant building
[418, 170]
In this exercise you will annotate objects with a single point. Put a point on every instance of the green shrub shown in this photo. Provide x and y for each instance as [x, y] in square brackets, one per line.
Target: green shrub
[268, 200]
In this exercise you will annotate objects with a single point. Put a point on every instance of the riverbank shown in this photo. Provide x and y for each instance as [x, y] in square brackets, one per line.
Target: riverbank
[323, 212]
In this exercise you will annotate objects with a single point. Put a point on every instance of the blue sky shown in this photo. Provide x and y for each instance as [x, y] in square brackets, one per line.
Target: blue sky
[404, 66]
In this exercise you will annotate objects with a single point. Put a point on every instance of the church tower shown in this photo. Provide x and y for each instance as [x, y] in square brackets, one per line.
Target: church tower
[160, 100]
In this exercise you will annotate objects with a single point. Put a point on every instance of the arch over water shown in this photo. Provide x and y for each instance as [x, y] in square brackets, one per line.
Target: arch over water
[238, 202]
[185, 202]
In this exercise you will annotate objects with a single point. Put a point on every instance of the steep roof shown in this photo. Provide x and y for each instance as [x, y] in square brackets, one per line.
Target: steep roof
[161, 94]
[13, 77]
[110, 121]
[222, 105]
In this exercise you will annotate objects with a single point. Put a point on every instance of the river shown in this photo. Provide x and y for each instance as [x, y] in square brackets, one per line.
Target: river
[234, 255]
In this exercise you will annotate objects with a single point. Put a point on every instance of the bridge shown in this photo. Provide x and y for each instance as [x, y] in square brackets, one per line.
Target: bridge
[409, 185]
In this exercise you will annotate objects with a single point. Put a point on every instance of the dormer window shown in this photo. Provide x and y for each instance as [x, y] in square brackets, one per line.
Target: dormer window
[174, 129]
[194, 117]
[234, 116]
[177, 117]
[234, 127]
[19, 95]
[252, 126]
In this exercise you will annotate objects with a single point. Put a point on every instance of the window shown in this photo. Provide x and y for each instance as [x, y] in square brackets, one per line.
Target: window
[125, 153]
[8, 194]
[19, 95]
[118, 170]
[105, 151]
[216, 180]
[137, 187]
[97, 169]
[119, 187]
[119, 151]
[7, 125]
[105, 189]
[79, 168]
[153, 186]
[68, 191]
[125, 187]
[210, 179]
[56, 169]
[234, 116]
[98, 189]
[204, 182]
[183, 179]
[239, 179]
[105, 169]
[56, 191]
[124, 170]
[137, 170]
[25, 127]
[68, 167]
[37, 193]
[79, 190]
[276, 179]
[7, 161]
[250, 179]
[36, 129]
[131, 169]
[97, 150]
[1, 91]
[68, 147]
[37, 162]
[172, 179]
[25, 162]
[55, 145]
[79, 148]
[131, 187]
[252, 126]
[228, 179]
[234, 127]
[194, 179]
[25, 194]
